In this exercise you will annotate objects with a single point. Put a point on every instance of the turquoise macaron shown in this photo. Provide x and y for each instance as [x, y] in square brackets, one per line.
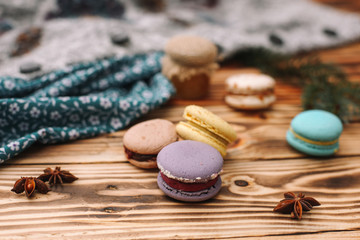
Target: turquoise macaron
[315, 132]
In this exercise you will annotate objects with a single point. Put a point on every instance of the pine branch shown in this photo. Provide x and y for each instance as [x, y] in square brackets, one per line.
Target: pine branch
[325, 86]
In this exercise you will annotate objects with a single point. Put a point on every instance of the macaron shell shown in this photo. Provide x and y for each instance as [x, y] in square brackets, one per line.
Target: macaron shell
[317, 125]
[149, 137]
[210, 121]
[189, 196]
[311, 149]
[191, 50]
[249, 83]
[143, 164]
[189, 132]
[250, 102]
[190, 161]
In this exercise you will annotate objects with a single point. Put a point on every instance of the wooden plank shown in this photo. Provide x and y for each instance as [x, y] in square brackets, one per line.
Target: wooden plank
[261, 136]
[113, 199]
[124, 200]
[347, 5]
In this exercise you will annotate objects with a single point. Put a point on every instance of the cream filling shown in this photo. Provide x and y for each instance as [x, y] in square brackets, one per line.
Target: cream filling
[202, 129]
[208, 128]
[254, 101]
[187, 180]
[248, 91]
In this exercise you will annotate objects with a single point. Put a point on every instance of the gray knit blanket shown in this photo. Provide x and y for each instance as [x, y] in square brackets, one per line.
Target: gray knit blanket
[281, 25]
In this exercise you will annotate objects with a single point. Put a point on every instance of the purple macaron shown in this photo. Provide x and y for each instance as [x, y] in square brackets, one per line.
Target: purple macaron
[189, 171]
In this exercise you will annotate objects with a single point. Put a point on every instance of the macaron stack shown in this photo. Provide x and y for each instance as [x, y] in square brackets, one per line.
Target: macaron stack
[250, 91]
[189, 63]
[143, 141]
[189, 171]
[315, 132]
[204, 126]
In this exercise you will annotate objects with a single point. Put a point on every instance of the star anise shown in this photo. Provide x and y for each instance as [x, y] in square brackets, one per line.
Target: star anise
[57, 176]
[29, 184]
[296, 204]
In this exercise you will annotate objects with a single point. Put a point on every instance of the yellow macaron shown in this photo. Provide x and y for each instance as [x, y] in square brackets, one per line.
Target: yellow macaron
[204, 126]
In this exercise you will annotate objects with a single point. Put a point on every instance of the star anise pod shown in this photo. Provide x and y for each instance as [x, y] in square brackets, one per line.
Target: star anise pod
[295, 205]
[29, 184]
[57, 176]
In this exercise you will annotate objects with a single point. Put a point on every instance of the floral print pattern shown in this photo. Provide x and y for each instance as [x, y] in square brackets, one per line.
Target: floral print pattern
[80, 101]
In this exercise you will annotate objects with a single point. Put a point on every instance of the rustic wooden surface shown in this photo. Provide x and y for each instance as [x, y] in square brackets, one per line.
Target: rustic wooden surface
[113, 199]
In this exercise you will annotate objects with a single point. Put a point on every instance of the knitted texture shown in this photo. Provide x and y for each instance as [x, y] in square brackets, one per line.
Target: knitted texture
[281, 25]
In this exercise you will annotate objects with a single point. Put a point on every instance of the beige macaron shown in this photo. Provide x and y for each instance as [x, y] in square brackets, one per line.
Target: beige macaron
[145, 140]
[191, 50]
[250, 91]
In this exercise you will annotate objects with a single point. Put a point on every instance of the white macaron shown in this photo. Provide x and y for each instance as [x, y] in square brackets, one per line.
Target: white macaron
[250, 91]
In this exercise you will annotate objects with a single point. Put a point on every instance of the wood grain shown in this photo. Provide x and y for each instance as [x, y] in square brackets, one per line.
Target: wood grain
[115, 200]
[120, 199]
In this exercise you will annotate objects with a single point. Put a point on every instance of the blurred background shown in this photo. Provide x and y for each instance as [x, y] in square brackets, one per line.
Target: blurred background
[55, 33]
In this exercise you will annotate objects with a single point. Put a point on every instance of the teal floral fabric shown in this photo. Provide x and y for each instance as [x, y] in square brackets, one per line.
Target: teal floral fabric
[81, 101]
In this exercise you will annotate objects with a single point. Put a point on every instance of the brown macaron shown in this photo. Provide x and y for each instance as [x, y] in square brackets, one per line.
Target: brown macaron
[143, 141]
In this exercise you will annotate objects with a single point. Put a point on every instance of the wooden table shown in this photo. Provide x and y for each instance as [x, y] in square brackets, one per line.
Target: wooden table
[113, 199]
